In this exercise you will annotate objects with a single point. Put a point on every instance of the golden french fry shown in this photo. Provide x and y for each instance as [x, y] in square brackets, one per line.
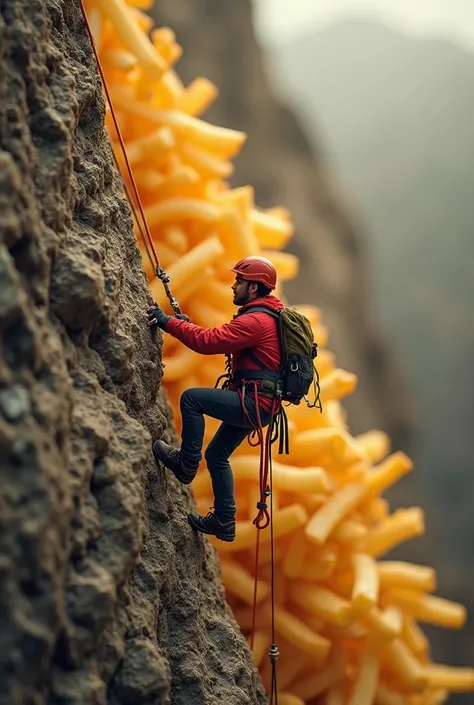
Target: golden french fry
[289, 699]
[406, 575]
[405, 665]
[321, 602]
[414, 638]
[449, 678]
[310, 687]
[388, 472]
[270, 231]
[261, 642]
[337, 384]
[188, 267]
[428, 608]
[241, 584]
[285, 477]
[386, 696]
[404, 524]
[205, 163]
[325, 519]
[350, 533]
[181, 364]
[122, 18]
[365, 591]
[376, 444]
[365, 685]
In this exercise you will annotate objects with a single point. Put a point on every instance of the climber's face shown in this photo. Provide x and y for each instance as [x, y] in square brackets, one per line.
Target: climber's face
[244, 291]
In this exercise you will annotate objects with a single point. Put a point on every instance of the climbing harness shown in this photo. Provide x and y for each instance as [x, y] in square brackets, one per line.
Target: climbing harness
[141, 221]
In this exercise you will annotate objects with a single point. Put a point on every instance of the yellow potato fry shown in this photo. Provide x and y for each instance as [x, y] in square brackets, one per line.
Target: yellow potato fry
[319, 566]
[220, 140]
[238, 238]
[313, 685]
[453, 679]
[407, 575]
[199, 95]
[404, 524]
[164, 41]
[350, 533]
[289, 699]
[294, 557]
[205, 163]
[428, 608]
[365, 685]
[188, 267]
[405, 665]
[156, 143]
[414, 638]
[325, 519]
[285, 520]
[261, 642]
[176, 238]
[365, 591]
[120, 60]
[176, 210]
[376, 444]
[285, 477]
[386, 696]
[270, 231]
[181, 364]
[336, 695]
[300, 635]
[382, 625]
[241, 584]
[309, 445]
[321, 602]
[337, 384]
[285, 264]
[388, 472]
[132, 37]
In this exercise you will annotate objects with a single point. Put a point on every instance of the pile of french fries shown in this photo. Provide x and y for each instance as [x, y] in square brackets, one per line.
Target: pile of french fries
[347, 623]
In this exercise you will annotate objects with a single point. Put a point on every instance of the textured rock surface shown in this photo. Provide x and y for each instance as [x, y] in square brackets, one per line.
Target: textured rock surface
[279, 161]
[106, 595]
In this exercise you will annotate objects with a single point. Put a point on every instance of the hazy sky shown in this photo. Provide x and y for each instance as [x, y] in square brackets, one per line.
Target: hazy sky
[280, 20]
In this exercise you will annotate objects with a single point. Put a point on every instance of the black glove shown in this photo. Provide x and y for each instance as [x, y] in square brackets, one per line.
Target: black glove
[183, 317]
[157, 317]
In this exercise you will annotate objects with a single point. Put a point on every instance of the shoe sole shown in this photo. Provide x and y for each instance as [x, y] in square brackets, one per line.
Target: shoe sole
[221, 537]
[159, 459]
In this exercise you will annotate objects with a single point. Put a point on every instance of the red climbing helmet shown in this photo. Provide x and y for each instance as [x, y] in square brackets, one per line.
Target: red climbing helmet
[257, 269]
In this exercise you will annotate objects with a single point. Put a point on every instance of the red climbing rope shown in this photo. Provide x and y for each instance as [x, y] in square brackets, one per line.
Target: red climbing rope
[142, 223]
[119, 134]
[263, 520]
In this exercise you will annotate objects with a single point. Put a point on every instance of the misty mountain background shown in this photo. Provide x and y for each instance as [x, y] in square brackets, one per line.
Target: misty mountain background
[396, 115]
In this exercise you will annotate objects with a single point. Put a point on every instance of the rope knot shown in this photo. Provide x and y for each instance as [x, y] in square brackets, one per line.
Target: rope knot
[261, 505]
[273, 653]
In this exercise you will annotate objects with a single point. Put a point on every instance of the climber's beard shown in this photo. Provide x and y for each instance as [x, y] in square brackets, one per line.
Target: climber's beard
[243, 297]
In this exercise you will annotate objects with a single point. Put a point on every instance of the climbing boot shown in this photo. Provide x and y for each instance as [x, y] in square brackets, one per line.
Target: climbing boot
[171, 458]
[222, 526]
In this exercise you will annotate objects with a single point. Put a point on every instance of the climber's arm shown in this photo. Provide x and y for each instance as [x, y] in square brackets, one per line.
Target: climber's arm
[241, 333]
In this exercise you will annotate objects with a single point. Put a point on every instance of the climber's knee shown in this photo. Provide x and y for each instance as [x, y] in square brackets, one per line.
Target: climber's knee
[189, 398]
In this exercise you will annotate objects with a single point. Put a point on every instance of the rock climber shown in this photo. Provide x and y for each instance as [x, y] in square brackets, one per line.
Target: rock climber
[253, 342]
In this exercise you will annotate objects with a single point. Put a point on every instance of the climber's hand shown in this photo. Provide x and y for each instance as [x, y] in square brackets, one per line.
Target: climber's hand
[183, 317]
[157, 317]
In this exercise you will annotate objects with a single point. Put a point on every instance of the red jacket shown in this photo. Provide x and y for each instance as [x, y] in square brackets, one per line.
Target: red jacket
[255, 331]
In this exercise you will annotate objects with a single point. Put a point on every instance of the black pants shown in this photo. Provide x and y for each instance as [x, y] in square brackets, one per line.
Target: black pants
[226, 406]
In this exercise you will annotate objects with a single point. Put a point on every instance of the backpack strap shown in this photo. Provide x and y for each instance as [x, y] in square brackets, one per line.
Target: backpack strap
[259, 309]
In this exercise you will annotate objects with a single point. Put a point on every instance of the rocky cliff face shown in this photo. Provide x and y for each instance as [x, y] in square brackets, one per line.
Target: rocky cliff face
[106, 595]
[280, 163]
